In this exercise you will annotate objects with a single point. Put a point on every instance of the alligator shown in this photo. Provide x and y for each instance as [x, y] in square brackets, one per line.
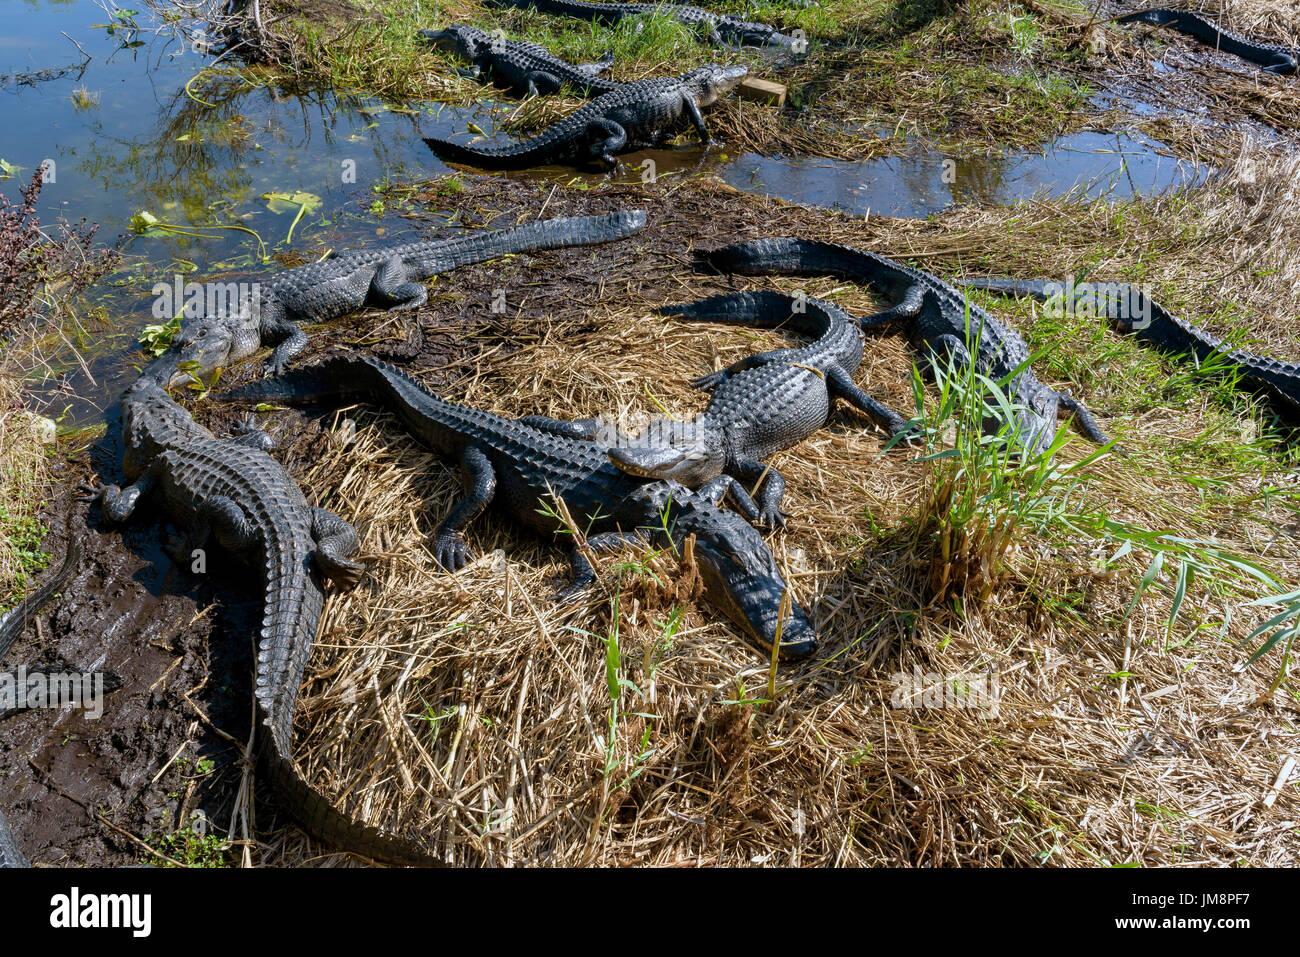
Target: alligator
[721, 29]
[636, 115]
[519, 66]
[526, 466]
[232, 492]
[761, 404]
[1273, 58]
[942, 321]
[11, 627]
[1132, 311]
[388, 276]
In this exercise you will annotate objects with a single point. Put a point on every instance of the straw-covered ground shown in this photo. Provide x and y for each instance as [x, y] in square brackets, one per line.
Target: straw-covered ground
[1028, 717]
[978, 75]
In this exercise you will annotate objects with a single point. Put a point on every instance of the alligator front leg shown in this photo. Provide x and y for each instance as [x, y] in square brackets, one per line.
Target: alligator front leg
[751, 472]
[394, 286]
[288, 340]
[480, 483]
[841, 386]
[697, 119]
[118, 504]
[726, 487]
[336, 543]
[583, 575]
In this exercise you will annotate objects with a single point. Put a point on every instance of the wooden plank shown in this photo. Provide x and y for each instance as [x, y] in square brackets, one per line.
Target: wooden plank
[764, 91]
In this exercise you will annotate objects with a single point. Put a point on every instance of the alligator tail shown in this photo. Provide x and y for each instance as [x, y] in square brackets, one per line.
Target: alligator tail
[512, 156]
[554, 233]
[1275, 59]
[12, 626]
[291, 616]
[765, 309]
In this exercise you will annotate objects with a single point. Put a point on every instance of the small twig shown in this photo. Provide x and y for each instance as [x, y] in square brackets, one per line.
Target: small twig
[78, 46]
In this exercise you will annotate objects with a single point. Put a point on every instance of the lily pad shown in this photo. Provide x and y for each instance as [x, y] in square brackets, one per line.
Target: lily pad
[292, 202]
[8, 169]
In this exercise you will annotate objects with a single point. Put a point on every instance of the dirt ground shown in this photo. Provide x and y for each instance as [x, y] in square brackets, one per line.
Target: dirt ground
[78, 792]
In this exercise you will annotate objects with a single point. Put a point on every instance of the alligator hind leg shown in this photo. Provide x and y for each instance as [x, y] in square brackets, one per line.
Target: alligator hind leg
[393, 285]
[228, 523]
[1084, 418]
[480, 483]
[715, 379]
[541, 83]
[603, 150]
[248, 433]
[906, 308]
[336, 543]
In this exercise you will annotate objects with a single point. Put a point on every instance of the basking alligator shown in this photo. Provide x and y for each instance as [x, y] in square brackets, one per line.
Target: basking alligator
[763, 403]
[517, 65]
[521, 464]
[11, 627]
[233, 492]
[1273, 58]
[636, 115]
[722, 29]
[1133, 312]
[938, 316]
[388, 275]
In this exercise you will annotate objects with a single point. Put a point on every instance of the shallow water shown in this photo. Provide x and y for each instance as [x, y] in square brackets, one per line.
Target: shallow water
[140, 128]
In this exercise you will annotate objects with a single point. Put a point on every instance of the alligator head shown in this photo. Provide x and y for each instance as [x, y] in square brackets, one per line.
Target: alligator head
[737, 568]
[688, 452]
[207, 343]
[713, 81]
[464, 41]
[746, 33]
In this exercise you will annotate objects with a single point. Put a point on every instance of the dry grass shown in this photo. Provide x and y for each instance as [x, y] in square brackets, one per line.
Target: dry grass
[472, 710]
[24, 478]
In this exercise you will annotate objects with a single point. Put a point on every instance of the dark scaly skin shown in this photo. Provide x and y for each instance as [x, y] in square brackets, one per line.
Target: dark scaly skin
[936, 314]
[722, 29]
[1276, 379]
[11, 627]
[1273, 58]
[764, 403]
[390, 276]
[233, 492]
[517, 65]
[635, 116]
[519, 465]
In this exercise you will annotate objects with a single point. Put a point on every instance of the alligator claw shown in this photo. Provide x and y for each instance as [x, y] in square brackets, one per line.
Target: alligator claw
[452, 553]
[711, 381]
[773, 518]
[89, 490]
